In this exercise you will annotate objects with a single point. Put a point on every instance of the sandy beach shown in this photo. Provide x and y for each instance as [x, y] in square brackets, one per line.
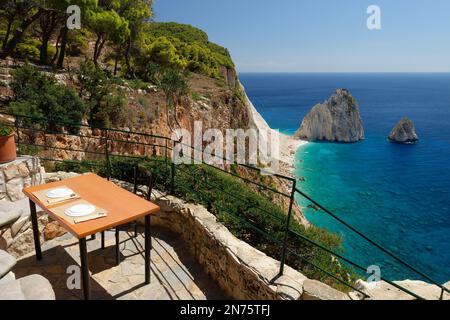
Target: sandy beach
[288, 144]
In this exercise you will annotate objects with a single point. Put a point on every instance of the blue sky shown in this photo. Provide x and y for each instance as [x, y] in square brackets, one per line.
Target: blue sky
[321, 35]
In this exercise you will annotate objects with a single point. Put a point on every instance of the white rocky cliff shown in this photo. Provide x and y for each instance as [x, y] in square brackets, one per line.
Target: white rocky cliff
[404, 132]
[336, 120]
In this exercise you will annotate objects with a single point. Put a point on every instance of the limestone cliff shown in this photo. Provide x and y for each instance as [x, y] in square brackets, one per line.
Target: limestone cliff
[337, 119]
[404, 132]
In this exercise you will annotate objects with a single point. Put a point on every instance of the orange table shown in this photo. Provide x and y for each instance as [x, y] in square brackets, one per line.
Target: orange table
[122, 207]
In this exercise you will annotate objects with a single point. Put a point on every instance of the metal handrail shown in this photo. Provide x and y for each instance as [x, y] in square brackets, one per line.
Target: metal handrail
[170, 145]
[372, 242]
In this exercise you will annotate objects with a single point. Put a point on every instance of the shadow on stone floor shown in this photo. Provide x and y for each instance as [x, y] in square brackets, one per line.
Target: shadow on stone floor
[175, 274]
[53, 267]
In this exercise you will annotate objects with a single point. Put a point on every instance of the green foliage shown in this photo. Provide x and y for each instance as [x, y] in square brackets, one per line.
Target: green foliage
[196, 96]
[29, 49]
[106, 102]
[137, 84]
[174, 85]
[5, 129]
[176, 45]
[28, 150]
[109, 24]
[38, 95]
[77, 42]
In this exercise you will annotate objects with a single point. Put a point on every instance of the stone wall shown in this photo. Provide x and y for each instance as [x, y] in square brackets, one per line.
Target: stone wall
[19, 174]
[242, 271]
[15, 224]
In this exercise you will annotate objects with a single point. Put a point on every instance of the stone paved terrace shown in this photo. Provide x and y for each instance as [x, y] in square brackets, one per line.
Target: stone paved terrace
[175, 274]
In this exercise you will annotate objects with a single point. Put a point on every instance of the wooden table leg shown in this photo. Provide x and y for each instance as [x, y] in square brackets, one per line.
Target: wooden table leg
[117, 245]
[148, 246]
[103, 239]
[34, 222]
[85, 269]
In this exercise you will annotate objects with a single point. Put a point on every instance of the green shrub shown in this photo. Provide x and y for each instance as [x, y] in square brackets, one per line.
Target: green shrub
[28, 49]
[106, 102]
[196, 96]
[77, 42]
[5, 129]
[38, 95]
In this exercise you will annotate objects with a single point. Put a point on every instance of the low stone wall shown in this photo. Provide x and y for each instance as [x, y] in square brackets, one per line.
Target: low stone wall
[242, 271]
[19, 174]
[15, 224]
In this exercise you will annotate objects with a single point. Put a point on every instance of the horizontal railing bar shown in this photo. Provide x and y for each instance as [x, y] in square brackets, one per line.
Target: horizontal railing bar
[234, 196]
[38, 119]
[47, 132]
[242, 178]
[318, 245]
[236, 163]
[392, 255]
[59, 148]
[327, 272]
[73, 161]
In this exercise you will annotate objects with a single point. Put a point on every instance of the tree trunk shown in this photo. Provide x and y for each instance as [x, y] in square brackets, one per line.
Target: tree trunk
[115, 64]
[44, 52]
[127, 60]
[47, 31]
[99, 50]
[18, 34]
[57, 47]
[96, 48]
[8, 32]
[62, 52]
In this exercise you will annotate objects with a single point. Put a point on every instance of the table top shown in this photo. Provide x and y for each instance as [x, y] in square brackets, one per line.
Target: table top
[122, 206]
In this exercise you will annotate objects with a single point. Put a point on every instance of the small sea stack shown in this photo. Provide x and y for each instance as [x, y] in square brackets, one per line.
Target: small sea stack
[337, 120]
[404, 132]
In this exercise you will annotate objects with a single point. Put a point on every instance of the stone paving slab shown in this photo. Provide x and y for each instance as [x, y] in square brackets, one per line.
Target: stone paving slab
[175, 275]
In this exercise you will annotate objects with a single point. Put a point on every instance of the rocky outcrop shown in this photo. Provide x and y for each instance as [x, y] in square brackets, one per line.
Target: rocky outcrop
[382, 290]
[7, 262]
[337, 120]
[404, 132]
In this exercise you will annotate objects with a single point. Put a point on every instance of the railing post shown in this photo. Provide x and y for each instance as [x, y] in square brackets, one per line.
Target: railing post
[172, 165]
[108, 163]
[16, 124]
[165, 154]
[288, 221]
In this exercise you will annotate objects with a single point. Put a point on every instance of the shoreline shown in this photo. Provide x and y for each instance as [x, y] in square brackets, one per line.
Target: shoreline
[288, 144]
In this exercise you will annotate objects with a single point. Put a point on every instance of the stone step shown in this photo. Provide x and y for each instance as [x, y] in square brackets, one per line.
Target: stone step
[7, 262]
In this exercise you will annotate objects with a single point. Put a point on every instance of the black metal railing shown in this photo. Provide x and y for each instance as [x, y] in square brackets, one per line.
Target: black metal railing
[108, 146]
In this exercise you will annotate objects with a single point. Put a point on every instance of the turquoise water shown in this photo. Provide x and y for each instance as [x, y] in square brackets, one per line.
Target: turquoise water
[398, 195]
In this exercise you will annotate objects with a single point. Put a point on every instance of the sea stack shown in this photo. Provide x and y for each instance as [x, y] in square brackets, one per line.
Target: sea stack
[404, 132]
[336, 120]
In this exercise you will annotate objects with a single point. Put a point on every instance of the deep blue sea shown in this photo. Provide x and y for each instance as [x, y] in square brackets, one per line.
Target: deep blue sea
[399, 195]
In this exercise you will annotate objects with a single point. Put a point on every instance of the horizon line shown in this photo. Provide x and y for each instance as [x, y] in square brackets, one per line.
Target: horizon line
[348, 72]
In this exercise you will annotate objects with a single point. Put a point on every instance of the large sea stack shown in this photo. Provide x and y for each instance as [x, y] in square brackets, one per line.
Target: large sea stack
[337, 120]
[404, 132]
